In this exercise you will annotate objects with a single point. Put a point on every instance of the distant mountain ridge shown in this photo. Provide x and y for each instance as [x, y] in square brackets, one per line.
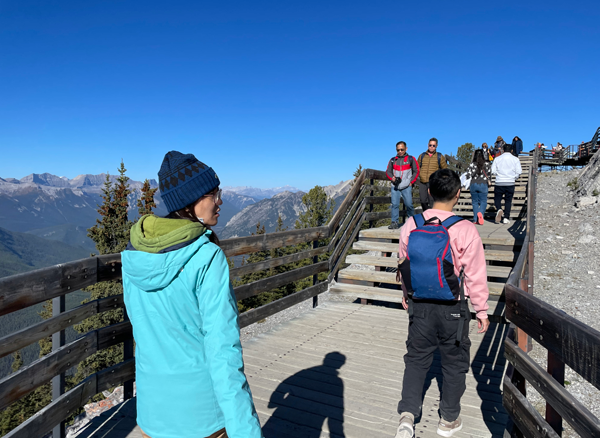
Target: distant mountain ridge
[260, 193]
[62, 209]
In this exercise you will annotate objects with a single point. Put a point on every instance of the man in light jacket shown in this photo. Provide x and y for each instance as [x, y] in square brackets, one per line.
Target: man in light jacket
[507, 169]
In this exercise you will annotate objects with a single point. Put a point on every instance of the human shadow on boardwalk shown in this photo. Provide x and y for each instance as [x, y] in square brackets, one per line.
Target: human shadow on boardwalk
[488, 369]
[305, 400]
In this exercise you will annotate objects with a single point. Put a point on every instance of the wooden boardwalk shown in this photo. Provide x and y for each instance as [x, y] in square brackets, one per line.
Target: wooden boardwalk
[337, 371]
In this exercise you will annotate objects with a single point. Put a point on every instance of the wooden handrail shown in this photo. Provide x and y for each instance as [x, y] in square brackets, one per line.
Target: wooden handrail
[24, 290]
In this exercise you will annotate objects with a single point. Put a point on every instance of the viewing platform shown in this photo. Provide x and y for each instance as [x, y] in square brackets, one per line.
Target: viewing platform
[336, 370]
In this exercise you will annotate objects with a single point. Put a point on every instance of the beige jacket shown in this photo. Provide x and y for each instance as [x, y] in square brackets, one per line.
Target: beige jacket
[429, 164]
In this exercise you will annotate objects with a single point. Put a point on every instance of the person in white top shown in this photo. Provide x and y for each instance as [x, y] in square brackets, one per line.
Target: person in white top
[507, 169]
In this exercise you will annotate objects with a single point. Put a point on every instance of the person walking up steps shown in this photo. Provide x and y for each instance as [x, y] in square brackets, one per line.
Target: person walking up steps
[480, 173]
[507, 169]
[429, 162]
[402, 171]
[436, 303]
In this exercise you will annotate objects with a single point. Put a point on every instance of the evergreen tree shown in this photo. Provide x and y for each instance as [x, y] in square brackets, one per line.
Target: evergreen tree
[319, 209]
[26, 406]
[465, 155]
[146, 202]
[111, 235]
[255, 257]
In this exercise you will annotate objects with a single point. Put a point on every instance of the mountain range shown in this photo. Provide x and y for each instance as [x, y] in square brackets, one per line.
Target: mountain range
[62, 209]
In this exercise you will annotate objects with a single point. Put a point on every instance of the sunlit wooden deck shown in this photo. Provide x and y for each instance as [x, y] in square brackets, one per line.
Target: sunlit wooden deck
[337, 372]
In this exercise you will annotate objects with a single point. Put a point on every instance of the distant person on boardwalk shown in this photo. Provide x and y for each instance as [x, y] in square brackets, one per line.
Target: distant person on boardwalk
[487, 153]
[516, 146]
[436, 324]
[507, 169]
[480, 173]
[429, 162]
[499, 146]
[189, 367]
[402, 171]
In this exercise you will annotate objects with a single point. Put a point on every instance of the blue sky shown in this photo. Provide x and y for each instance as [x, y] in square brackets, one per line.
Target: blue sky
[271, 93]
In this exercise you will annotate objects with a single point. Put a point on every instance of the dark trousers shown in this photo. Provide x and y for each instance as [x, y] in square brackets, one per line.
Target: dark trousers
[434, 326]
[506, 192]
[424, 197]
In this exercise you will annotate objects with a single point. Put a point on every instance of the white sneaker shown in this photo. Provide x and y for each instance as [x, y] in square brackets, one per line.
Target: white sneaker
[505, 221]
[449, 428]
[406, 429]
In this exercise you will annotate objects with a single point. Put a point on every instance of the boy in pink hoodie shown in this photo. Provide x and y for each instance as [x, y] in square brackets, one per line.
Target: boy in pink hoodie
[434, 324]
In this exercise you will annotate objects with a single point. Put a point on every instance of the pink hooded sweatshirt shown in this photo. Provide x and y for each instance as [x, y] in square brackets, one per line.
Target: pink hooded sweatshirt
[467, 252]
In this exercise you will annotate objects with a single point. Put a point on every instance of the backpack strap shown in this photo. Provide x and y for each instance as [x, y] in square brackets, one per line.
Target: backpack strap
[452, 220]
[464, 311]
[439, 155]
[421, 159]
[419, 220]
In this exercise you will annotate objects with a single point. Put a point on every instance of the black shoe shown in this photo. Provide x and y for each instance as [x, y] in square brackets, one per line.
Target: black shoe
[394, 226]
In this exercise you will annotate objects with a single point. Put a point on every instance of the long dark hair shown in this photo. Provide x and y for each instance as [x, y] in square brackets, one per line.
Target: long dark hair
[187, 213]
[479, 160]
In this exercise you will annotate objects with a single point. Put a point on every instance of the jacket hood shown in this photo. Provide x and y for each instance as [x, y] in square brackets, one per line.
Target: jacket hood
[160, 248]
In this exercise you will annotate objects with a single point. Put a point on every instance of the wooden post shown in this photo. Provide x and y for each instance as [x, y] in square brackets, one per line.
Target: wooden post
[315, 245]
[127, 354]
[371, 193]
[522, 338]
[556, 368]
[58, 382]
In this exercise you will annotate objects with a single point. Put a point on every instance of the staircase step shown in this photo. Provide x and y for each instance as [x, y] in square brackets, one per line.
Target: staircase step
[368, 292]
[390, 278]
[499, 233]
[390, 295]
[392, 262]
[495, 255]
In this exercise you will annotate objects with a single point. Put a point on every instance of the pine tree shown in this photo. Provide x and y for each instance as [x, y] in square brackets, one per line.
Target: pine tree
[465, 155]
[26, 406]
[146, 202]
[111, 235]
[319, 211]
[255, 257]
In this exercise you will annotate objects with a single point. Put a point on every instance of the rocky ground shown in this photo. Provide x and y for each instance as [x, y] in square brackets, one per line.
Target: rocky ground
[567, 269]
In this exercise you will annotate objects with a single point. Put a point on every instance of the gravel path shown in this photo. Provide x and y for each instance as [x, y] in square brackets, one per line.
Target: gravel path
[567, 271]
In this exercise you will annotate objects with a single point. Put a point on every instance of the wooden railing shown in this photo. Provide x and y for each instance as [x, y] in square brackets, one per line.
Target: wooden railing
[28, 289]
[567, 340]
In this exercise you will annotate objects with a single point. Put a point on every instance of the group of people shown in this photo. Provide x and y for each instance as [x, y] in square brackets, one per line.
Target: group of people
[404, 171]
[516, 148]
[189, 366]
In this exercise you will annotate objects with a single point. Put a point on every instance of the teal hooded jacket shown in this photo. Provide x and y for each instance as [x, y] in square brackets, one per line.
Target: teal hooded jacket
[190, 379]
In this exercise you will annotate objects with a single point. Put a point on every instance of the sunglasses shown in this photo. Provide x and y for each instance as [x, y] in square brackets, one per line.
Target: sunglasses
[433, 145]
[400, 149]
[216, 195]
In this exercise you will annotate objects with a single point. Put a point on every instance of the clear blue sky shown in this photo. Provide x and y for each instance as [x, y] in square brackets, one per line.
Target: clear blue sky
[282, 92]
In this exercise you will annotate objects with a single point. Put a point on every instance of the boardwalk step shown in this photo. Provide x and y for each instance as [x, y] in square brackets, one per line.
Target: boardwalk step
[392, 262]
[491, 235]
[390, 278]
[495, 255]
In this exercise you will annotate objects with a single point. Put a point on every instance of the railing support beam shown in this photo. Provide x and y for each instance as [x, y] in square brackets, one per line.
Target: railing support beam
[58, 382]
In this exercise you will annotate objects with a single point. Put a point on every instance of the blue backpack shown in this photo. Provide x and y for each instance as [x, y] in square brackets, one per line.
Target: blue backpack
[428, 269]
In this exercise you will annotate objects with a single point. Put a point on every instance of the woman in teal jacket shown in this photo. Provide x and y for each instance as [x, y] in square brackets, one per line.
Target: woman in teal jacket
[190, 379]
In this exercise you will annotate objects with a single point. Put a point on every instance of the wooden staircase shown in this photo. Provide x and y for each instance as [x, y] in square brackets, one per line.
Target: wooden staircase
[502, 243]
[519, 204]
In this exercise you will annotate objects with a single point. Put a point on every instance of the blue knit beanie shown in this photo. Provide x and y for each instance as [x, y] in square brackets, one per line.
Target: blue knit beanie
[183, 180]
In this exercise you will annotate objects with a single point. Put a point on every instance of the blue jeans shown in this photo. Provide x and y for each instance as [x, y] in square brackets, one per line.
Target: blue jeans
[406, 195]
[479, 193]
